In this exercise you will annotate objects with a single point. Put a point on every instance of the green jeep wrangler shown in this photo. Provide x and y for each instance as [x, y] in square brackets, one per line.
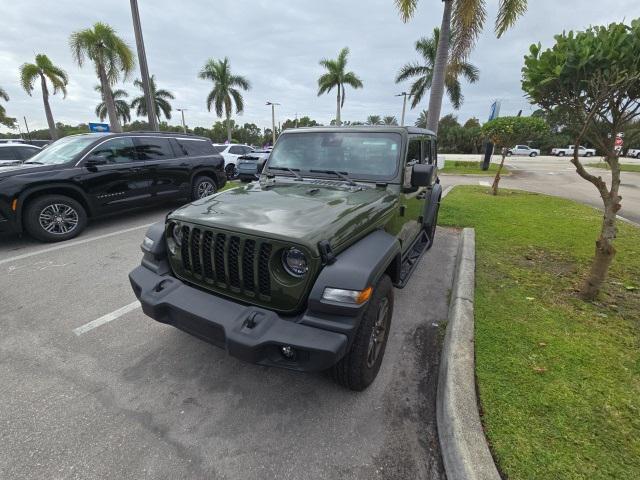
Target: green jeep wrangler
[297, 270]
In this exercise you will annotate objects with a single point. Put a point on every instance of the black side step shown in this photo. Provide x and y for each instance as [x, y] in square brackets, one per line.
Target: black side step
[412, 258]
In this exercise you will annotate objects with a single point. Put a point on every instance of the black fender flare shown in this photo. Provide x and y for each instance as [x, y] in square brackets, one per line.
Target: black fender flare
[432, 204]
[47, 188]
[154, 255]
[356, 268]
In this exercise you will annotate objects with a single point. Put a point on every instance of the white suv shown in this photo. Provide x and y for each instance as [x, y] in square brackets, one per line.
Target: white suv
[231, 152]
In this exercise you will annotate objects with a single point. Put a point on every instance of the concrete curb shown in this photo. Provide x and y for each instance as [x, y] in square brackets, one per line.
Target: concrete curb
[465, 452]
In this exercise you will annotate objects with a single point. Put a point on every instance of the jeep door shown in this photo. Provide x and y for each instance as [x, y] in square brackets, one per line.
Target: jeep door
[412, 199]
[168, 164]
[114, 177]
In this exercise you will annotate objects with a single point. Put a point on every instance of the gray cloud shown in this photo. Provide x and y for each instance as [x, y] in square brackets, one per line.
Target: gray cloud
[277, 46]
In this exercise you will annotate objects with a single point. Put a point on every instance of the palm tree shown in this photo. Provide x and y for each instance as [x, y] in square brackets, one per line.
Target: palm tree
[421, 122]
[160, 98]
[389, 120]
[373, 120]
[466, 18]
[337, 77]
[4, 120]
[427, 47]
[110, 55]
[122, 106]
[226, 89]
[42, 70]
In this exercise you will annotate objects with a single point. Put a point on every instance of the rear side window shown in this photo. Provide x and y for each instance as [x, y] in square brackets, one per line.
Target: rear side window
[219, 148]
[237, 150]
[154, 148]
[196, 148]
[27, 152]
[8, 153]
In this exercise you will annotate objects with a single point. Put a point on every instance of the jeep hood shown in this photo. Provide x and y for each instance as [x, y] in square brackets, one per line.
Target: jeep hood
[299, 212]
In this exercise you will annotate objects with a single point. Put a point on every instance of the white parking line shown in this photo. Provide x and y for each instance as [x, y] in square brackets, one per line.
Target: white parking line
[73, 244]
[109, 317]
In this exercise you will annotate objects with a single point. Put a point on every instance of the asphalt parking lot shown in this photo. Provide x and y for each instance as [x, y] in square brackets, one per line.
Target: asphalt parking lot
[131, 398]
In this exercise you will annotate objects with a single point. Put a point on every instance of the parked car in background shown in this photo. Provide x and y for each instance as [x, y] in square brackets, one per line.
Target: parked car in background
[231, 152]
[523, 150]
[249, 165]
[16, 153]
[35, 143]
[52, 194]
[633, 153]
[582, 151]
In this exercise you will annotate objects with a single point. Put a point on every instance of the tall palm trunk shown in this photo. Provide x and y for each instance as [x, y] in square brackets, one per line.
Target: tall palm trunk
[440, 69]
[338, 122]
[47, 109]
[228, 126]
[107, 96]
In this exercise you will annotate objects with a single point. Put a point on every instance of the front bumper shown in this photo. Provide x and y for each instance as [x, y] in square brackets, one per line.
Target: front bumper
[250, 333]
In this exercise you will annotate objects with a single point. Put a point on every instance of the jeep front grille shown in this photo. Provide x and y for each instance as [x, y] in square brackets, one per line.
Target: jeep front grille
[228, 262]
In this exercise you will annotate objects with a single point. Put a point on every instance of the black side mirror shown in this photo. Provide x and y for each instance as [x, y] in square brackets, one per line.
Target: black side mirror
[423, 175]
[94, 160]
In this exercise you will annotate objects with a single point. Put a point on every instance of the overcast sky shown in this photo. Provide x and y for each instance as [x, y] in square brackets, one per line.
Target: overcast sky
[277, 46]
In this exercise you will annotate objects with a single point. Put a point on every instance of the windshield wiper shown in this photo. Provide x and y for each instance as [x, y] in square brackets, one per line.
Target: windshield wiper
[32, 163]
[293, 171]
[342, 175]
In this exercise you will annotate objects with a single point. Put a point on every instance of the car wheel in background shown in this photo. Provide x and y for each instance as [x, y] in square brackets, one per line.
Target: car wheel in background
[588, 154]
[533, 154]
[509, 154]
[54, 218]
[638, 155]
[360, 366]
[232, 171]
[203, 187]
[561, 154]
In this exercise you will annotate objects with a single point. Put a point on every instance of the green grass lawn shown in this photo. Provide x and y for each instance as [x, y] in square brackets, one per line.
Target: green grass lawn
[624, 167]
[458, 167]
[558, 378]
[230, 184]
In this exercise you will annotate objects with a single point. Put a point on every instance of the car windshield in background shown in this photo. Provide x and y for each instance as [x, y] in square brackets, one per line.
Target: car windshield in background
[359, 154]
[219, 148]
[62, 151]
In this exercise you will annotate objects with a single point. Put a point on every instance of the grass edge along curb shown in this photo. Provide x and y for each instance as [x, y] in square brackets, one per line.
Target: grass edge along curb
[465, 451]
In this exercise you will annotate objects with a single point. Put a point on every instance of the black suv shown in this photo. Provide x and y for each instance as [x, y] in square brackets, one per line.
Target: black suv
[52, 194]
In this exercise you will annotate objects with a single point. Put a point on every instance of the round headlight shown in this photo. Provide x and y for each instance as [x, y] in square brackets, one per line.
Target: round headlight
[176, 233]
[295, 262]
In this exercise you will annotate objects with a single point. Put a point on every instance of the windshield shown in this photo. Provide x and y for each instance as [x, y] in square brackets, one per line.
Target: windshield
[62, 151]
[366, 155]
[219, 148]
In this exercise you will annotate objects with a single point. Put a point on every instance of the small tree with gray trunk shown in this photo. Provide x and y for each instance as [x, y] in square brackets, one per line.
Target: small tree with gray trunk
[593, 78]
[506, 132]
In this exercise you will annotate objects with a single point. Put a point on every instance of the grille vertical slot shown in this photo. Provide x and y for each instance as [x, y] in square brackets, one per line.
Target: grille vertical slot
[184, 249]
[248, 256]
[233, 261]
[221, 239]
[264, 277]
[207, 257]
[196, 253]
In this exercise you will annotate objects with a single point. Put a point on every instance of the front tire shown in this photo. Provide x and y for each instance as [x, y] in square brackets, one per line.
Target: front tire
[54, 218]
[203, 187]
[561, 154]
[588, 154]
[533, 154]
[360, 366]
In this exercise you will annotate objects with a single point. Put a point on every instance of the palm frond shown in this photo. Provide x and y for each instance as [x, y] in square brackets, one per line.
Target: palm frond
[406, 8]
[508, 12]
[4, 95]
[411, 70]
[29, 73]
[467, 22]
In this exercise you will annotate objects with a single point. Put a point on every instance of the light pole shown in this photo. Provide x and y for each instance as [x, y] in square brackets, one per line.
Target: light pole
[144, 69]
[182, 110]
[273, 120]
[404, 105]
